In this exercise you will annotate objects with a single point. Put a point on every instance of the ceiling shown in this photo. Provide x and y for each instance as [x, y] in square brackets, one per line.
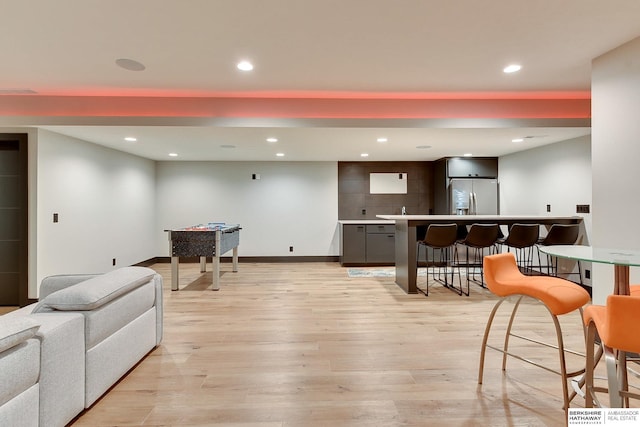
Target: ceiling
[304, 49]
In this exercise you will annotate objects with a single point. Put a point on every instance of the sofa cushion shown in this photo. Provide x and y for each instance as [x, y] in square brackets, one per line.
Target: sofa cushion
[106, 320]
[13, 331]
[96, 291]
[19, 411]
[19, 369]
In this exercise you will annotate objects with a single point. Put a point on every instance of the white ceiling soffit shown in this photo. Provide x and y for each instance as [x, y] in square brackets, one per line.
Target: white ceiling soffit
[309, 48]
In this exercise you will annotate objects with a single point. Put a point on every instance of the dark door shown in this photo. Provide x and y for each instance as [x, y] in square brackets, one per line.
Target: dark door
[13, 219]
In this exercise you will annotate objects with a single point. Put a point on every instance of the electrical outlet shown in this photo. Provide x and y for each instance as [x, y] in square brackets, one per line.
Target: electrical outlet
[290, 248]
[587, 274]
[582, 209]
[113, 262]
[548, 208]
[364, 211]
[55, 217]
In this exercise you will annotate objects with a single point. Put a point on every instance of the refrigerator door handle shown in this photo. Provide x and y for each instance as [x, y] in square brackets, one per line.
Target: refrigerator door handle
[473, 203]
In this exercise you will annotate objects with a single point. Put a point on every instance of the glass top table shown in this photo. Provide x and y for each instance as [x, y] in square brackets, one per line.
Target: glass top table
[621, 259]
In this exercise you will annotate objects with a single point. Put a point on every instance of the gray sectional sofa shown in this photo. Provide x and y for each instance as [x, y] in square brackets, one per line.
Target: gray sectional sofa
[58, 356]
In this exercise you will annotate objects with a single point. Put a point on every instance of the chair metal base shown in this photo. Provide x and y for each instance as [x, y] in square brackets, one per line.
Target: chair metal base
[448, 259]
[564, 374]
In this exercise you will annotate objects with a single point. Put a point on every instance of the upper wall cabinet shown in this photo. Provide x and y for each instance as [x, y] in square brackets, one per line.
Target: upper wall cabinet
[463, 167]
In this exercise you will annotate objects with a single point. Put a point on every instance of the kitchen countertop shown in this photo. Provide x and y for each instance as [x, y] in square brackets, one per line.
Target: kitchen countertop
[366, 221]
[473, 217]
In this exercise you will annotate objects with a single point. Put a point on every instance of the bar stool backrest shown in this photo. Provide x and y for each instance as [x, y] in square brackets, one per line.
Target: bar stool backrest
[623, 315]
[441, 235]
[523, 235]
[561, 234]
[500, 271]
[482, 235]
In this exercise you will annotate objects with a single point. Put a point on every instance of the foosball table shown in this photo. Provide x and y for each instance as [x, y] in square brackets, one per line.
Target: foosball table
[211, 239]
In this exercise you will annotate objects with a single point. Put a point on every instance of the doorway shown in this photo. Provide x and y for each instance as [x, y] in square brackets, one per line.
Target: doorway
[13, 220]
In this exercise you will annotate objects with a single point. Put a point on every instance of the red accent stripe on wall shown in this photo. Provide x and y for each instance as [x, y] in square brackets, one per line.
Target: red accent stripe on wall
[88, 106]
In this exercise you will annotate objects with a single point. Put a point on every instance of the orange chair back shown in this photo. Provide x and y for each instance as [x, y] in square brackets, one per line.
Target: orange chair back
[501, 273]
[623, 318]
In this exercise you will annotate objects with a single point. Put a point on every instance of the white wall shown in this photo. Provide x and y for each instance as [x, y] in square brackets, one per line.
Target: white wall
[615, 104]
[106, 205]
[556, 174]
[292, 204]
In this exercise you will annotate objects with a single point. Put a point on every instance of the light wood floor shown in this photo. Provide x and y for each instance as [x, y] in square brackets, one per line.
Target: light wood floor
[305, 345]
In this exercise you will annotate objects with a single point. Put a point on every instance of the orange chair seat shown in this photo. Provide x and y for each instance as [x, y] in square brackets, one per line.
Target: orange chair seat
[635, 290]
[559, 295]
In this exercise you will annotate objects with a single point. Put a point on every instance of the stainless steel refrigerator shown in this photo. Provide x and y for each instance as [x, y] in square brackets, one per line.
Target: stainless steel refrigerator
[473, 196]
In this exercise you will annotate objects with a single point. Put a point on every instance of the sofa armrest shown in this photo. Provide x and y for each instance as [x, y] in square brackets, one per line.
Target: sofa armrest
[52, 284]
[157, 280]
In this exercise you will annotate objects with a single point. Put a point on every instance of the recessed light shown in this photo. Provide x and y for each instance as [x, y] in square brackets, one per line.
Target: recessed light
[382, 139]
[131, 139]
[130, 64]
[467, 154]
[173, 154]
[517, 140]
[245, 66]
[227, 146]
[512, 68]
[364, 155]
[423, 147]
[272, 139]
[280, 154]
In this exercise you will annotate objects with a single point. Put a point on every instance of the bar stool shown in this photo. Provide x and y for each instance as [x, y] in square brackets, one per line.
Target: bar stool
[479, 238]
[615, 325]
[559, 234]
[522, 238]
[558, 296]
[441, 238]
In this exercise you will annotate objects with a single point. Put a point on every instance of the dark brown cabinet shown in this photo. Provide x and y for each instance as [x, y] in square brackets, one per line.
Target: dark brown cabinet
[463, 167]
[367, 244]
[354, 244]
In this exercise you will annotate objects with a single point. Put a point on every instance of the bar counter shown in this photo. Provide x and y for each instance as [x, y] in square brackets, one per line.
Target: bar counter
[406, 236]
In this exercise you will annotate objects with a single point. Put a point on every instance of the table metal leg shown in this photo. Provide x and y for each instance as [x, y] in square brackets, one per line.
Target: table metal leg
[174, 273]
[621, 280]
[235, 259]
[216, 273]
[203, 264]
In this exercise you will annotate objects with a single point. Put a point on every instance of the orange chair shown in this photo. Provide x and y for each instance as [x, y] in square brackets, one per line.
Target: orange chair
[559, 296]
[615, 324]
